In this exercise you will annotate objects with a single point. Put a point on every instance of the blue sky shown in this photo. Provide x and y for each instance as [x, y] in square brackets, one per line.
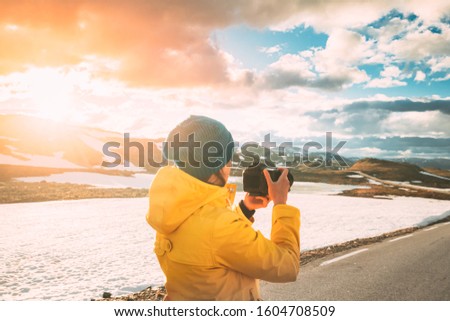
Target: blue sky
[375, 73]
[247, 44]
[258, 48]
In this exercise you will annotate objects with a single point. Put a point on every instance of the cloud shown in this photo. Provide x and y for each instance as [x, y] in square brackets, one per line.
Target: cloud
[329, 68]
[391, 72]
[439, 64]
[406, 37]
[421, 44]
[390, 77]
[278, 79]
[271, 50]
[420, 76]
[396, 117]
[446, 77]
[159, 43]
[337, 49]
[395, 146]
[385, 83]
[153, 43]
[401, 105]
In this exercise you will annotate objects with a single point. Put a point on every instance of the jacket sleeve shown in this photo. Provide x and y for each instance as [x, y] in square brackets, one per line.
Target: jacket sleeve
[237, 209]
[239, 247]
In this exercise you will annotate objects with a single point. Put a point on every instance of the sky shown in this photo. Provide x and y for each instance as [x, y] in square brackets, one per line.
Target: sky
[374, 73]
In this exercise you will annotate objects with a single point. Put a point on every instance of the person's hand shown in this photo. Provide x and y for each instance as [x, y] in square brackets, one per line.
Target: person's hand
[255, 202]
[278, 191]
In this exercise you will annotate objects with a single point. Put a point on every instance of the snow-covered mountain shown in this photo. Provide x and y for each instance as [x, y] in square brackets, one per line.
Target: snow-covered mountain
[30, 141]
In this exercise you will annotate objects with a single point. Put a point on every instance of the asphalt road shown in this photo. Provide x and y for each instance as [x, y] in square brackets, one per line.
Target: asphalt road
[415, 266]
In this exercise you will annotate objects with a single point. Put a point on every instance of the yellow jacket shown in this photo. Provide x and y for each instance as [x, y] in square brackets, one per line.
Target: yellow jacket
[209, 250]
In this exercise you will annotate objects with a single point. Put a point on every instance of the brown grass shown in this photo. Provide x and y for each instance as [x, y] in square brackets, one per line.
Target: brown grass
[387, 191]
[8, 172]
[18, 192]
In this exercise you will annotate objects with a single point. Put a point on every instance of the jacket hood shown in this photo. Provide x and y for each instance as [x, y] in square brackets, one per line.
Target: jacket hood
[175, 195]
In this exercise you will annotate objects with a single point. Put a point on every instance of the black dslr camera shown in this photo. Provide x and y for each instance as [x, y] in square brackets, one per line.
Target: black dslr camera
[255, 182]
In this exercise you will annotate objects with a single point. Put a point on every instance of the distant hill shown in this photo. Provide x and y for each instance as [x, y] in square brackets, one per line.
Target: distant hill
[402, 172]
[294, 159]
[439, 163]
[36, 142]
[42, 144]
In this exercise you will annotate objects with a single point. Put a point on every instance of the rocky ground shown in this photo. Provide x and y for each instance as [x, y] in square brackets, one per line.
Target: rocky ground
[18, 192]
[158, 293]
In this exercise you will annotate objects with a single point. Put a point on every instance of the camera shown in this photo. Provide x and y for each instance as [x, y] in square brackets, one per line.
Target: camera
[255, 182]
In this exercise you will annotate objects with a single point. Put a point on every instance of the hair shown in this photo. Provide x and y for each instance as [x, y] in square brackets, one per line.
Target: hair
[220, 177]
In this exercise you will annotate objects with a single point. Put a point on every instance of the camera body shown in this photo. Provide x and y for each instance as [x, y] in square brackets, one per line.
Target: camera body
[255, 182]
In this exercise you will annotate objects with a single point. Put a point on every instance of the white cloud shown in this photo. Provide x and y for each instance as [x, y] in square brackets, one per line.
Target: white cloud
[326, 16]
[293, 63]
[178, 34]
[429, 11]
[271, 50]
[385, 83]
[446, 77]
[419, 43]
[333, 67]
[390, 77]
[438, 64]
[391, 72]
[420, 76]
[343, 48]
[414, 123]
[314, 68]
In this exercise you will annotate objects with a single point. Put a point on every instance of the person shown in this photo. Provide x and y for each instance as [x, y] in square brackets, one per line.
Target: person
[205, 245]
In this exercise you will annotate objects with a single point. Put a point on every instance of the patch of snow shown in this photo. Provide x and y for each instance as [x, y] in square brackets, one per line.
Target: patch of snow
[429, 174]
[76, 250]
[37, 161]
[95, 179]
[93, 143]
[13, 148]
[397, 182]
[73, 250]
[416, 182]
[322, 188]
[424, 188]
[9, 138]
[355, 176]
[374, 182]
[121, 167]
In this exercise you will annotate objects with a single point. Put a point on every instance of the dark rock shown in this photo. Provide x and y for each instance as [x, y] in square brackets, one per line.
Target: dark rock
[106, 295]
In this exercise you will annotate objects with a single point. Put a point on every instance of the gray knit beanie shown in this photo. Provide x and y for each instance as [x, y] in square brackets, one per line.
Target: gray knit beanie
[200, 146]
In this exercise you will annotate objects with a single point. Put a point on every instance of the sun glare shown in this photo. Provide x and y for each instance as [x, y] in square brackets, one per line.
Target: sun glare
[50, 92]
[11, 27]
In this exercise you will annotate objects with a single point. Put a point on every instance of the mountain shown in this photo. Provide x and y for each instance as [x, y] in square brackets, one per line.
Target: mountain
[402, 172]
[438, 163]
[27, 143]
[35, 142]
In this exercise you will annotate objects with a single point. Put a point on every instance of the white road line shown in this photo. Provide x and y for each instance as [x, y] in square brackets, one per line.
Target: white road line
[342, 257]
[401, 237]
[430, 228]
